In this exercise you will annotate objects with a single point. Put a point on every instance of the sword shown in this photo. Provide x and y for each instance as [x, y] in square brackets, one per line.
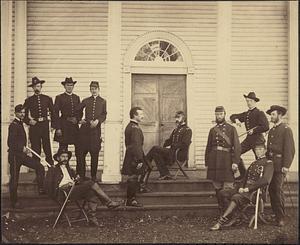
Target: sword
[247, 131]
[261, 169]
[38, 156]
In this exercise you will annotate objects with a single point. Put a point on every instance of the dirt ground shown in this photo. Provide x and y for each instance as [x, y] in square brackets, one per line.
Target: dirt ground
[146, 229]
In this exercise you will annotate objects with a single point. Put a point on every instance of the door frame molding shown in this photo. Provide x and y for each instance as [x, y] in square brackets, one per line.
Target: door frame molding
[183, 68]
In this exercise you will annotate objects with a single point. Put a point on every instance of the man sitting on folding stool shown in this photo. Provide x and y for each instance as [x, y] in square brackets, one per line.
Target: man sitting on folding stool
[179, 139]
[251, 183]
[61, 177]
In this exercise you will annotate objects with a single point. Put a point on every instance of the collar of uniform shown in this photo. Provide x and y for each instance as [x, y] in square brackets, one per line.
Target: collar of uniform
[181, 124]
[134, 121]
[277, 124]
[18, 120]
[221, 124]
[95, 97]
[68, 93]
[261, 157]
[37, 94]
[252, 109]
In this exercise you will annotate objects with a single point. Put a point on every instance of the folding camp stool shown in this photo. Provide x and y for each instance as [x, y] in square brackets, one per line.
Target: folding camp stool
[180, 165]
[251, 206]
[63, 210]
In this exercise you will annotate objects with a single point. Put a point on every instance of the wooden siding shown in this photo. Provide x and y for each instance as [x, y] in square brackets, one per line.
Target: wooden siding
[67, 38]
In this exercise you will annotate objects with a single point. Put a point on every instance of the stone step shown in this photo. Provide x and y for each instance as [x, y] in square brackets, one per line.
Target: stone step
[133, 212]
[179, 185]
[152, 198]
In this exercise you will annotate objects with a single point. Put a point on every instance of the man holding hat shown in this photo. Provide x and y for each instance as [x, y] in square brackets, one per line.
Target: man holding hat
[281, 150]
[222, 154]
[37, 110]
[67, 118]
[255, 121]
[90, 130]
[19, 155]
[62, 177]
[180, 138]
[251, 182]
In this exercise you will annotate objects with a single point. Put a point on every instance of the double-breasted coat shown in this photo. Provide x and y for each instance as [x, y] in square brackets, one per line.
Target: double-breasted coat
[220, 155]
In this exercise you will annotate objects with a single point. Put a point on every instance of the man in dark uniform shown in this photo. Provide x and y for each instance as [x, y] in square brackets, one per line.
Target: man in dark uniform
[180, 139]
[255, 121]
[252, 181]
[281, 150]
[62, 177]
[90, 130]
[134, 165]
[37, 109]
[222, 154]
[66, 124]
[19, 155]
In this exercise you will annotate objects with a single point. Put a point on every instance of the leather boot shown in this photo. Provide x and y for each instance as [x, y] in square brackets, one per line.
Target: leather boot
[103, 197]
[222, 220]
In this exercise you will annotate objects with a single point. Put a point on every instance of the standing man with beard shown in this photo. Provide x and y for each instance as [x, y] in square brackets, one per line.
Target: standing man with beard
[90, 130]
[67, 118]
[179, 139]
[37, 109]
[134, 165]
[281, 150]
[222, 155]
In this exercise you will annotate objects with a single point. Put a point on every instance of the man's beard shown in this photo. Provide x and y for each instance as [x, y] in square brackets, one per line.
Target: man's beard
[275, 120]
[64, 162]
[220, 120]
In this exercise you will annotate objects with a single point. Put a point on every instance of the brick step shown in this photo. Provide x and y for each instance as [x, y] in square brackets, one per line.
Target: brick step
[132, 212]
[152, 198]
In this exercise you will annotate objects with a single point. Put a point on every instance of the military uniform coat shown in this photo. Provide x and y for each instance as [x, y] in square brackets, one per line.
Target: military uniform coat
[134, 141]
[219, 162]
[16, 138]
[180, 138]
[65, 108]
[95, 108]
[253, 118]
[281, 142]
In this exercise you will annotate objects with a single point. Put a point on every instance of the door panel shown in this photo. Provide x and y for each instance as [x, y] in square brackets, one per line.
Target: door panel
[160, 96]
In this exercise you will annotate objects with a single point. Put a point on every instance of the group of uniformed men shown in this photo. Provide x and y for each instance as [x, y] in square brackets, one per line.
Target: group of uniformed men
[222, 155]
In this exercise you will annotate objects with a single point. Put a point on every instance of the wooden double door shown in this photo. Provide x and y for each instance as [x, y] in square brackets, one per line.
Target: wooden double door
[160, 96]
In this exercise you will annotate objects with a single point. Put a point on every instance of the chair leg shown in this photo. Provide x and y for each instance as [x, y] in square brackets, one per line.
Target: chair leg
[181, 169]
[82, 211]
[68, 219]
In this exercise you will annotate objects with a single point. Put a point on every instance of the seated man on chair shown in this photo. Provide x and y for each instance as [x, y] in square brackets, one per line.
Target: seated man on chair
[62, 177]
[179, 139]
[252, 182]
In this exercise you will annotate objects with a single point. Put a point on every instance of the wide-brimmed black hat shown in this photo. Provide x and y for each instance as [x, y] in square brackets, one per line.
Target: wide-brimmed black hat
[252, 96]
[94, 84]
[68, 80]
[57, 155]
[35, 81]
[277, 108]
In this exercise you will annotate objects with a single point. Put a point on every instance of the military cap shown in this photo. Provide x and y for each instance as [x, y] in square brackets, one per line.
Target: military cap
[94, 84]
[68, 80]
[19, 108]
[35, 81]
[251, 95]
[220, 109]
[59, 152]
[277, 108]
[179, 113]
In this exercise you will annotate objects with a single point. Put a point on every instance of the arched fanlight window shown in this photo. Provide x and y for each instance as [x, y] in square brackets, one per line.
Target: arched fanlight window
[159, 51]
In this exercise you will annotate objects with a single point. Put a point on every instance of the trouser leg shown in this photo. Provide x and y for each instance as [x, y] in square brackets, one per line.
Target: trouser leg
[277, 195]
[46, 143]
[132, 186]
[94, 163]
[77, 154]
[32, 163]
[14, 169]
[80, 167]
[161, 156]
[35, 139]
[103, 197]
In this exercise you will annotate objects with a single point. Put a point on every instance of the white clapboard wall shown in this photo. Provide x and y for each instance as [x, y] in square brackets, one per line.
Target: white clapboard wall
[259, 59]
[67, 38]
[195, 24]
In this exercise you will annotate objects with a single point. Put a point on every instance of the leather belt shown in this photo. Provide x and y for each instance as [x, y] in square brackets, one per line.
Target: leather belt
[41, 119]
[275, 155]
[221, 148]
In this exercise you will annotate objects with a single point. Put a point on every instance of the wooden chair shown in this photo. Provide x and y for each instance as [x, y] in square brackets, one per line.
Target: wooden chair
[63, 209]
[250, 208]
[181, 165]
